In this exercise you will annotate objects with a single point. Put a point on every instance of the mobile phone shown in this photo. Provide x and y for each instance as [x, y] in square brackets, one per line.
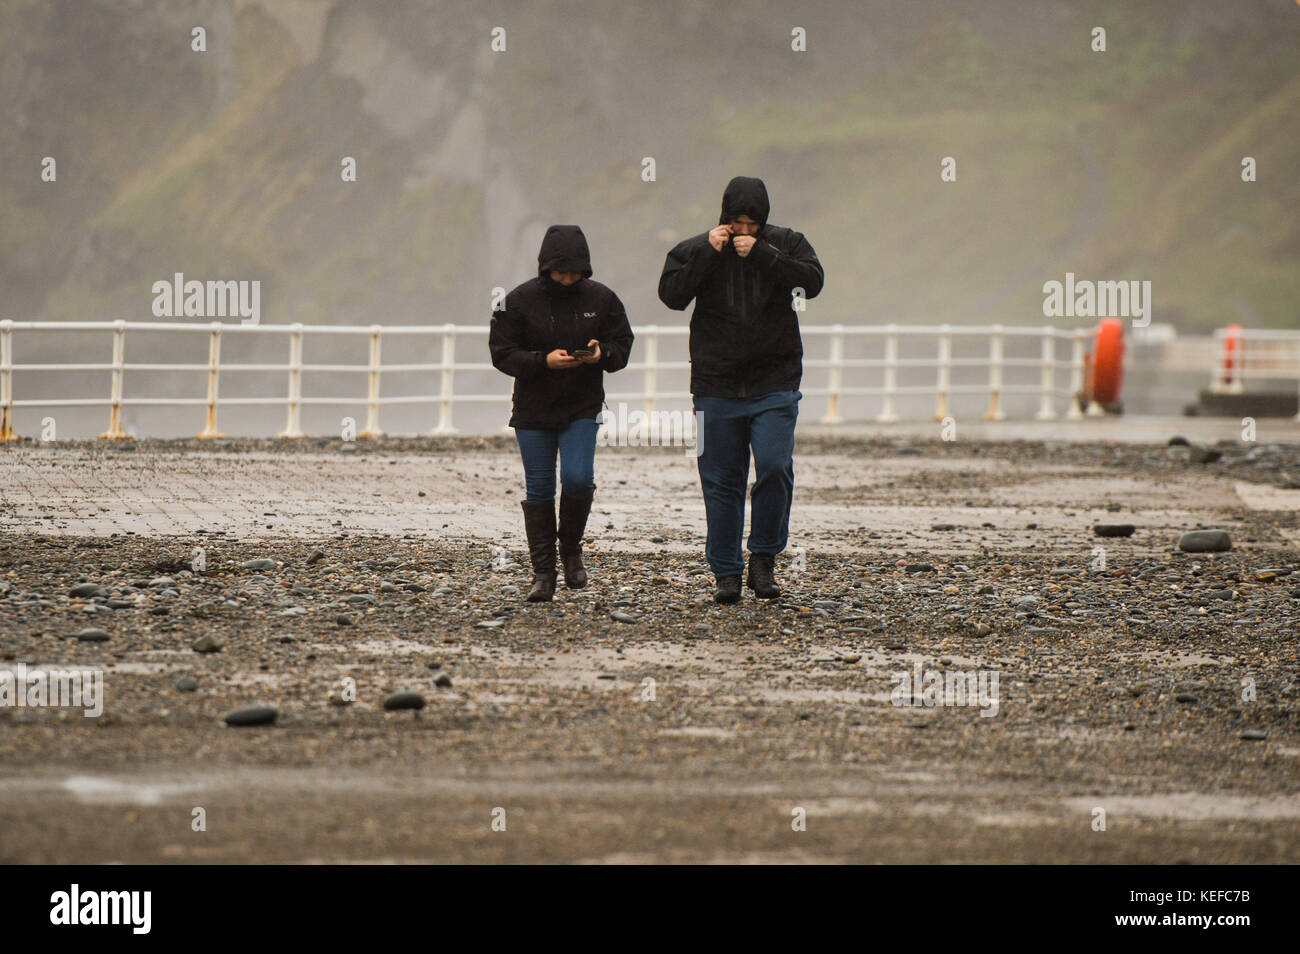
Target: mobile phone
[582, 352]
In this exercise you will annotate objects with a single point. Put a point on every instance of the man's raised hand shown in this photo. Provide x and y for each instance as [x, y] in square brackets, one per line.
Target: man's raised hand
[719, 236]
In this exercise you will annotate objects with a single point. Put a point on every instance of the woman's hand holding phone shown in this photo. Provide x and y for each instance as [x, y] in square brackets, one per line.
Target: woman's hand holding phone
[559, 360]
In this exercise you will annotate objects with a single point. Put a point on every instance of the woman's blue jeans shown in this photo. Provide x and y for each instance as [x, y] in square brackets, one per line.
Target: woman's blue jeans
[576, 445]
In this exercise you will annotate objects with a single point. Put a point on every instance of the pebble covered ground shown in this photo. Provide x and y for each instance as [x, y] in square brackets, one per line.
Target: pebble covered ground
[636, 720]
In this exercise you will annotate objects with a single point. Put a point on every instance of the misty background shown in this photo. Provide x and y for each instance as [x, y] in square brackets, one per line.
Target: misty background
[226, 165]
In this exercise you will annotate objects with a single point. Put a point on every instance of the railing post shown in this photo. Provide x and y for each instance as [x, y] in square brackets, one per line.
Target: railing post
[995, 412]
[447, 371]
[887, 412]
[115, 431]
[1046, 410]
[372, 408]
[214, 372]
[650, 383]
[944, 382]
[1075, 413]
[835, 377]
[293, 419]
[6, 381]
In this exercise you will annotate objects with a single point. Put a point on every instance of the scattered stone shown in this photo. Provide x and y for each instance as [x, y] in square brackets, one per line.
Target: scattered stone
[206, 643]
[403, 699]
[1254, 735]
[943, 526]
[258, 565]
[1114, 529]
[623, 617]
[1204, 541]
[1185, 697]
[442, 680]
[92, 636]
[187, 684]
[316, 557]
[252, 715]
[1204, 455]
[85, 590]
[1179, 441]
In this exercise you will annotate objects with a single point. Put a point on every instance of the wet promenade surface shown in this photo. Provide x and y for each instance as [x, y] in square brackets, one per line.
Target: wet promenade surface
[1085, 678]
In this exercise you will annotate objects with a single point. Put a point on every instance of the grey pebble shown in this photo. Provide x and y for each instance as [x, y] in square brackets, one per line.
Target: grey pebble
[1204, 541]
[252, 715]
[403, 699]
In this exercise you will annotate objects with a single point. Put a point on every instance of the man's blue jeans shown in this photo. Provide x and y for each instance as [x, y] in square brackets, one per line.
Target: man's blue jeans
[731, 428]
[577, 447]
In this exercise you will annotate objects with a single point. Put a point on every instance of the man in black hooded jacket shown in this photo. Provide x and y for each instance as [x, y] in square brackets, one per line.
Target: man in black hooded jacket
[749, 280]
[556, 336]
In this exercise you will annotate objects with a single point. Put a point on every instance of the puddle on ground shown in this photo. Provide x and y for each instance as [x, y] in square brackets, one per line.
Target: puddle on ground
[700, 731]
[1192, 806]
[98, 790]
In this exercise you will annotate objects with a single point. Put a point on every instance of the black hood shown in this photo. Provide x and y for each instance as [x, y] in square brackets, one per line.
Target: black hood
[564, 249]
[745, 196]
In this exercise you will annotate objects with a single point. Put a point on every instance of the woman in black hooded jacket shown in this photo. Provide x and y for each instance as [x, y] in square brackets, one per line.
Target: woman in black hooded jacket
[556, 336]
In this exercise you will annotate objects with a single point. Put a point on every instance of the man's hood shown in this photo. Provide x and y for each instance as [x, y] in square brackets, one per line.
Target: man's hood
[745, 196]
[564, 249]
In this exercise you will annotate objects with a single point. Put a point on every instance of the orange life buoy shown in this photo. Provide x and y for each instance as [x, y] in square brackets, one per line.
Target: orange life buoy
[1106, 371]
[1231, 352]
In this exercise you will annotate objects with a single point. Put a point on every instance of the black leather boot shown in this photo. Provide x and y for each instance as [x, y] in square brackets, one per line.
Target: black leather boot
[539, 525]
[573, 521]
[762, 576]
[728, 590]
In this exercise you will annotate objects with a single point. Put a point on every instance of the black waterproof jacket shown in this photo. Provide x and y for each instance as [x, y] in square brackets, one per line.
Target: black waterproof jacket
[744, 336]
[541, 315]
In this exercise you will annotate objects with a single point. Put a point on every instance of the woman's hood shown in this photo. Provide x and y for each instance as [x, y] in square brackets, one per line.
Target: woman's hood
[564, 249]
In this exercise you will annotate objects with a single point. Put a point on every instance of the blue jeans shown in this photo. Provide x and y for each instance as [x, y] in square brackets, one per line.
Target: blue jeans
[732, 427]
[577, 446]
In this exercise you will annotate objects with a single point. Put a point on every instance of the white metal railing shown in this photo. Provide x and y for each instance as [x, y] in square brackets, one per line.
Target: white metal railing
[996, 363]
[1242, 353]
